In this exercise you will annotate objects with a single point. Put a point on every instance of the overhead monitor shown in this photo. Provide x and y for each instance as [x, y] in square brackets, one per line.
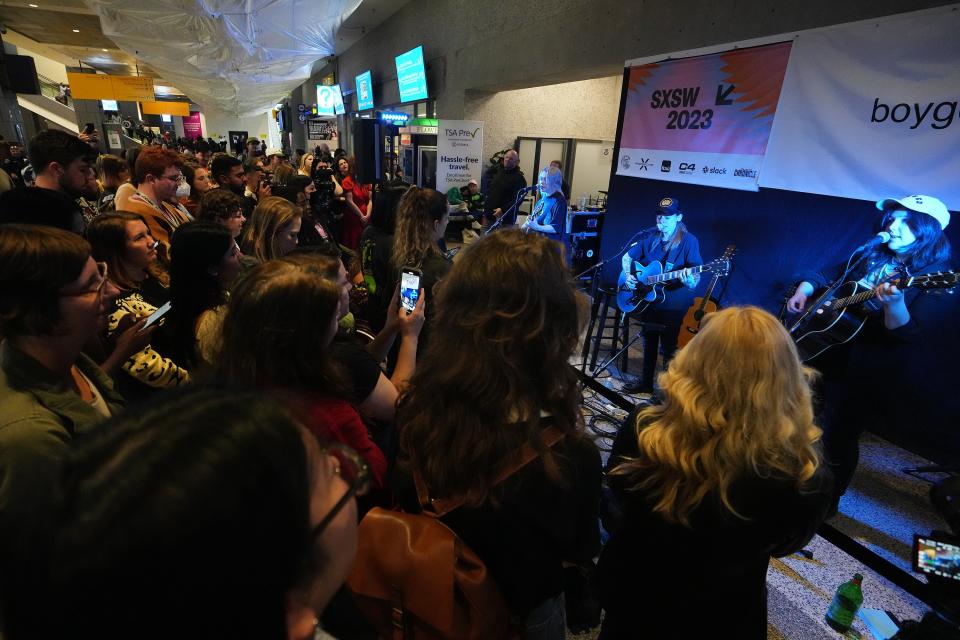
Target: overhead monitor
[329, 100]
[165, 117]
[411, 75]
[109, 105]
[364, 91]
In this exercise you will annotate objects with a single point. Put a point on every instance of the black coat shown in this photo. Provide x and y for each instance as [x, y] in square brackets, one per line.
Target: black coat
[663, 580]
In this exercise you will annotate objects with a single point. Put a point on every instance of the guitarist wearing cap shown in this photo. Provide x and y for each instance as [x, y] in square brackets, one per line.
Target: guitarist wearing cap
[675, 248]
[881, 377]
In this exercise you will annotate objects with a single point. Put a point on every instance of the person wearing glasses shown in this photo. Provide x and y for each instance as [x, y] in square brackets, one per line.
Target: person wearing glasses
[211, 514]
[158, 176]
[223, 207]
[53, 299]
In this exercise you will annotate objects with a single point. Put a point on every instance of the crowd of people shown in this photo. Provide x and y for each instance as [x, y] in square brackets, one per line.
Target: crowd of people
[204, 473]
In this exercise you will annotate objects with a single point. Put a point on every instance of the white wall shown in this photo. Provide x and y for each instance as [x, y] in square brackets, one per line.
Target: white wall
[585, 109]
[45, 66]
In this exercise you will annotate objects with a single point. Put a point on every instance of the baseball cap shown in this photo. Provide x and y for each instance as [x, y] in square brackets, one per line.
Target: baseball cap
[921, 204]
[473, 181]
[669, 207]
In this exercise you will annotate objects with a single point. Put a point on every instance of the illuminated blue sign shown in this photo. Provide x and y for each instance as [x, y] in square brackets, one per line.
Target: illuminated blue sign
[411, 75]
[392, 117]
[364, 91]
[329, 100]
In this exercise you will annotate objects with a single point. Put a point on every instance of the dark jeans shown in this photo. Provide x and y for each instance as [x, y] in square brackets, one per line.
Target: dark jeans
[655, 339]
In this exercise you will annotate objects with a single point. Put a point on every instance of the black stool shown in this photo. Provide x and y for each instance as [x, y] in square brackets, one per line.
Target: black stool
[600, 318]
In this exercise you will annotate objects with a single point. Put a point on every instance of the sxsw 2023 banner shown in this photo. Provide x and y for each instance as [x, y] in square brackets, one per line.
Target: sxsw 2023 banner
[702, 120]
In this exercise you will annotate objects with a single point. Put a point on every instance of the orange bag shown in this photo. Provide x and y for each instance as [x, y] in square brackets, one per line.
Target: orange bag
[414, 578]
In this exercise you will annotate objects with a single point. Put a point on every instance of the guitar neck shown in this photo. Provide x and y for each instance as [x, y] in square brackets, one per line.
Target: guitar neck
[673, 275]
[868, 294]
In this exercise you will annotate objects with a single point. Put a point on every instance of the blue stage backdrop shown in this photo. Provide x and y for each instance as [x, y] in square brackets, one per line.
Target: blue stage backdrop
[778, 234]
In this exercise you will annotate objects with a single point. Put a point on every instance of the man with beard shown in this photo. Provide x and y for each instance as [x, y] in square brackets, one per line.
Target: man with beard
[228, 172]
[64, 170]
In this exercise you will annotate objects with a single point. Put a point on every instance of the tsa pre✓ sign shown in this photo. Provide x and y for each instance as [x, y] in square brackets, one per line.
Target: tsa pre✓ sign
[459, 153]
[702, 120]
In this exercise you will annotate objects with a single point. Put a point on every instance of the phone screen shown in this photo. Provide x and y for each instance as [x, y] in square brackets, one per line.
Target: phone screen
[409, 290]
[936, 557]
[156, 315]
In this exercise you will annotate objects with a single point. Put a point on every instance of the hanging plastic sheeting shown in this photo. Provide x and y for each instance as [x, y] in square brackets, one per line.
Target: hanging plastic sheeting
[236, 56]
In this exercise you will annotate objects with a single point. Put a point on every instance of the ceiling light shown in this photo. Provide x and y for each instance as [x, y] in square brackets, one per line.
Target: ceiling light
[102, 49]
[76, 30]
[33, 6]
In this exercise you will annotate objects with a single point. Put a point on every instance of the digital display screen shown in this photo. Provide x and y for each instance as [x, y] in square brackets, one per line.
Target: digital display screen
[936, 558]
[364, 91]
[329, 100]
[411, 75]
[109, 105]
[409, 290]
[166, 118]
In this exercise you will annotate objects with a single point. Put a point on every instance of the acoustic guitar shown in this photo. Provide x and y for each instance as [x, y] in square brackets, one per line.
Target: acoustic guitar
[839, 313]
[705, 305]
[650, 281]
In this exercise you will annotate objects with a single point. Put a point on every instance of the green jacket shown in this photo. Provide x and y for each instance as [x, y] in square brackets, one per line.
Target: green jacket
[39, 418]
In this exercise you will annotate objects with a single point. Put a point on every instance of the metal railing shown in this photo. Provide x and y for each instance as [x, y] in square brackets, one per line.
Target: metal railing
[55, 90]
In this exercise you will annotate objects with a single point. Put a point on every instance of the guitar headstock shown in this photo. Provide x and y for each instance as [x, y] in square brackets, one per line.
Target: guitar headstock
[938, 280]
[721, 266]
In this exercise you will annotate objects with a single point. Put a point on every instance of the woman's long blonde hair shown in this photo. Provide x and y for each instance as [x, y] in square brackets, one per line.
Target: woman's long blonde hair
[736, 400]
[269, 218]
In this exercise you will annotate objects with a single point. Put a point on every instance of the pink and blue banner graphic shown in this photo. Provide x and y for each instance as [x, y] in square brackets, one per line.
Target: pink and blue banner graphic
[703, 120]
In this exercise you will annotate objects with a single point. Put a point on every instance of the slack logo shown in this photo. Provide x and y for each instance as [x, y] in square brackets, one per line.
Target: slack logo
[915, 113]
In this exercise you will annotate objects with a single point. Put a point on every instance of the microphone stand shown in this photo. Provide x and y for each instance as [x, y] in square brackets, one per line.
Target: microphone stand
[594, 272]
[521, 196]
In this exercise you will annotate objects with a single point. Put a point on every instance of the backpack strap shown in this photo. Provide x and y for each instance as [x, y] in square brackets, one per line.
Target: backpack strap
[440, 507]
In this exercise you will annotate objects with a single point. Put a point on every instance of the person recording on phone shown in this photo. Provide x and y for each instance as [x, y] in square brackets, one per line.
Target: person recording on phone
[420, 225]
[549, 216]
[503, 190]
[903, 344]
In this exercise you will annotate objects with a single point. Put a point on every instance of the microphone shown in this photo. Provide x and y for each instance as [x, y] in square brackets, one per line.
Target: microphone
[527, 189]
[881, 238]
[643, 233]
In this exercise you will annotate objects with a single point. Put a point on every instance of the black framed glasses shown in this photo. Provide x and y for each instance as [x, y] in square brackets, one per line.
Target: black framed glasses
[102, 270]
[354, 471]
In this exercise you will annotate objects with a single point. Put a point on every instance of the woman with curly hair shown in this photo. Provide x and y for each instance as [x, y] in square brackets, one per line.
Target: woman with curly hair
[494, 380]
[723, 474]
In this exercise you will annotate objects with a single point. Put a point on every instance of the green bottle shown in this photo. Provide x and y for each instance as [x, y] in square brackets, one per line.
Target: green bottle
[846, 603]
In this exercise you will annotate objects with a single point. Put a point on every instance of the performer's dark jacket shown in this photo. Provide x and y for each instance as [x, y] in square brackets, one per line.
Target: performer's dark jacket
[896, 383]
[686, 254]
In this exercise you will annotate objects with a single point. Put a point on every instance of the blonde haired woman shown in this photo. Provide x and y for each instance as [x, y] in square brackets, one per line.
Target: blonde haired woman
[272, 229]
[721, 475]
[306, 163]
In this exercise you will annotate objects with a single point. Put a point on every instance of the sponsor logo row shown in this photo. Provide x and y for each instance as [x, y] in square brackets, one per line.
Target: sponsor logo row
[685, 168]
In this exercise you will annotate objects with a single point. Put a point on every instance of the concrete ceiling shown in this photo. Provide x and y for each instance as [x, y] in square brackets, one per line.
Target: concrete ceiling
[72, 29]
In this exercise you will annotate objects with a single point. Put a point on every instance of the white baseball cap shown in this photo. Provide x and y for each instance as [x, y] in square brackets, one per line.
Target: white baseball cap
[921, 204]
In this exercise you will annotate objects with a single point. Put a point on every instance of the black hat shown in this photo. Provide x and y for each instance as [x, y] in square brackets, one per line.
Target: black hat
[669, 207]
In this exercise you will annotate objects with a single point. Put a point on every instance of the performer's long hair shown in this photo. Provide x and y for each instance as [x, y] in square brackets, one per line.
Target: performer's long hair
[677, 238]
[504, 323]
[931, 245]
[736, 401]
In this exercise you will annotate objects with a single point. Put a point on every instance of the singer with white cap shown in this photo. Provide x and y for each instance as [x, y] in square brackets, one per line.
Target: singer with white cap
[900, 346]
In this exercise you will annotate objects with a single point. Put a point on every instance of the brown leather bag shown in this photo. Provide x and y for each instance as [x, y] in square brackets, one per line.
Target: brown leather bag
[414, 578]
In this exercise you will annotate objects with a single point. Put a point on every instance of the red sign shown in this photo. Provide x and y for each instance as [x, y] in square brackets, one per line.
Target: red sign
[191, 126]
